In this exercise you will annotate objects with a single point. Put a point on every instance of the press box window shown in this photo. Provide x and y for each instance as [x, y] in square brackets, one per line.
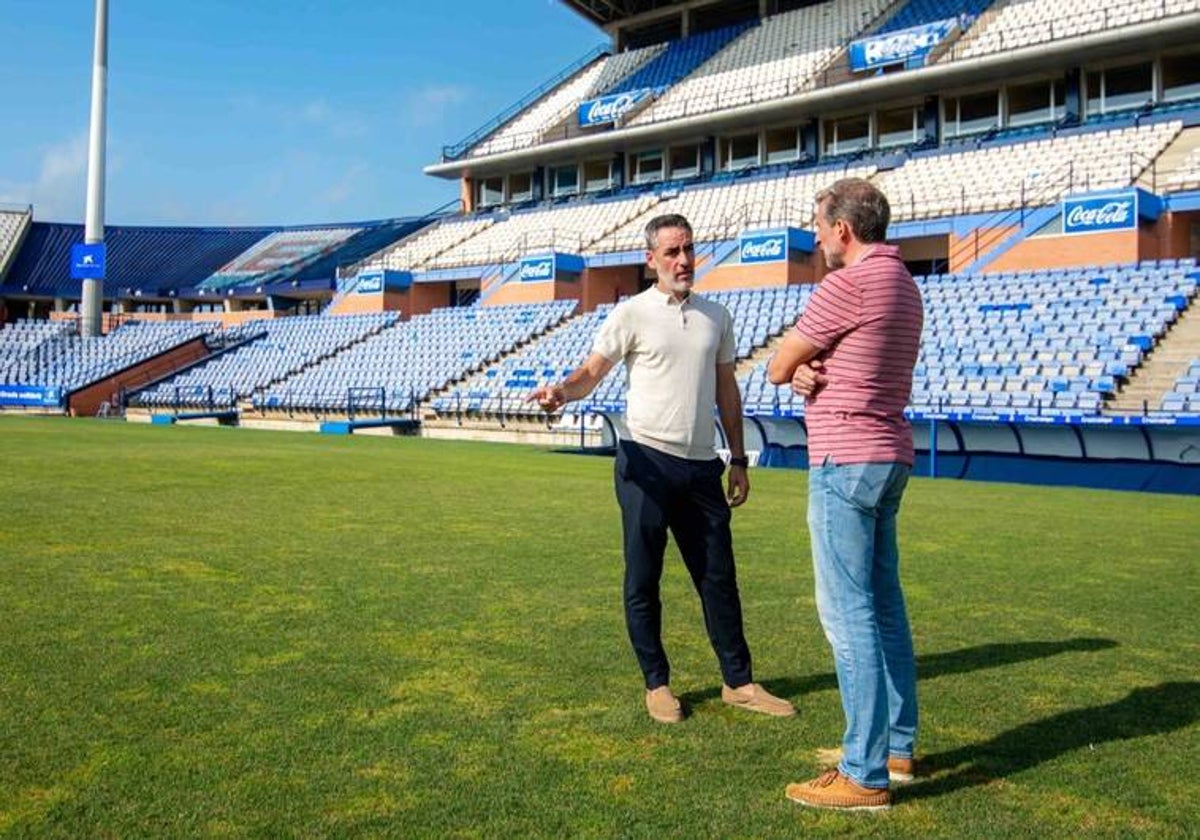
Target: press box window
[1119, 88]
[520, 187]
[685, 162]
[491, 191]
[971, 114]
[1038, 102]
[739, 152]
[1180, 77]
[783, 144]
[597, 175]
[647, 167]
[848, 134]
[564, 180]
[900, 127]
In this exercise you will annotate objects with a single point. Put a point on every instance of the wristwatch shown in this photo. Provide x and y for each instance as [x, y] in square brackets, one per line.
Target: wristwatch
[742, 462]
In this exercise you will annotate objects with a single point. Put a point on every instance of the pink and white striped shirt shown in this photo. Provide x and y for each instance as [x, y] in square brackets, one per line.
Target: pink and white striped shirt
[867, 320]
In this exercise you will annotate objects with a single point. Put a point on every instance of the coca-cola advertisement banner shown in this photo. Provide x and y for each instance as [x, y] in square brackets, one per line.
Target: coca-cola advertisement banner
[1099, 213]
[764, 246]
[609, 109]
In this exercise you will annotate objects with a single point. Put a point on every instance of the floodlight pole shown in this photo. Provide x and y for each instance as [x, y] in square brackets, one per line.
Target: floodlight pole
[93, 290]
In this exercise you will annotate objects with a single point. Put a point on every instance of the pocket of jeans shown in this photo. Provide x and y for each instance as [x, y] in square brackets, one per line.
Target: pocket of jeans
[863, 485]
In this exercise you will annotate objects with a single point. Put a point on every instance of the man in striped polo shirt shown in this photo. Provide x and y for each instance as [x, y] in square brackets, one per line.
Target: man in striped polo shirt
[862, 330]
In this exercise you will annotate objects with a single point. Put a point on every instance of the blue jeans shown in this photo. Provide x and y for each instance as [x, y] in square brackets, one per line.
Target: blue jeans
[852, 520]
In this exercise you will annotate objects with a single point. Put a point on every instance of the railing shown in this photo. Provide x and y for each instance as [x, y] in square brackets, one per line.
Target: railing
[457, 150]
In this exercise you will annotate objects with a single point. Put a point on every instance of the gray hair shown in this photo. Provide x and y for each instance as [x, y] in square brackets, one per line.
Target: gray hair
[858, 203]
[669, 220]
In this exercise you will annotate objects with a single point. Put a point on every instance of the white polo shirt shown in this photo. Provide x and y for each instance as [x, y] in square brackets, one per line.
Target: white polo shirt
[671, 351]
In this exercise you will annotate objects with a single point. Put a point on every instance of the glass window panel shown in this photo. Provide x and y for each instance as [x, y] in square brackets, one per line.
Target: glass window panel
[1181, 77]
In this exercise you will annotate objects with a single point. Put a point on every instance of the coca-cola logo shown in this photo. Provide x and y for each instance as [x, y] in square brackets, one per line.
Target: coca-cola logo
[762, 249]
[1118, 213]
[537, 270]
[370, 283]
[609, 108]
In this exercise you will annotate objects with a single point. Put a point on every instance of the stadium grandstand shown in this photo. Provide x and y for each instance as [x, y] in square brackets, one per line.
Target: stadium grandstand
[1042, 159]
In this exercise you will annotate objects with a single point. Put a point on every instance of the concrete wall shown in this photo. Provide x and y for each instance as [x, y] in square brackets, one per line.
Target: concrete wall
[608, 285]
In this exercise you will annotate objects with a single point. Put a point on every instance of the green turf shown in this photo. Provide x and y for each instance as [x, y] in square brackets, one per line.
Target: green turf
[236, 633]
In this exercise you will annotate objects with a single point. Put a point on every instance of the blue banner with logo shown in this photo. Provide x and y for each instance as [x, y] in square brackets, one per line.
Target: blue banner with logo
[1101, 212]
[374, 282]
[916, 42]
[765, 246]
[537, 269]
[87, 261]
[31, 396]
[609, 109]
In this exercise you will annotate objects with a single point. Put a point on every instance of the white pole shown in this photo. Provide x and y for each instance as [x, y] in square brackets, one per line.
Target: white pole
[93, 290]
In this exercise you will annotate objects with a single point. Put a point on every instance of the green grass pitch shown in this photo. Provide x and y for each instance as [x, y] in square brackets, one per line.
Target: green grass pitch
[216, 632]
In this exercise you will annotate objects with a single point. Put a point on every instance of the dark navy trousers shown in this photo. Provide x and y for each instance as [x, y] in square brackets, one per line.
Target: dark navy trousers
[658, 492]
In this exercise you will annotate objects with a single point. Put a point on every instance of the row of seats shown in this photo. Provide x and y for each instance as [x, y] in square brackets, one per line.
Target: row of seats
[918, 12]
[1184, 397]
[1011, 175]
[1022, 23]
[273, 350]
[55, 356]
[402, 365]
[12, 225]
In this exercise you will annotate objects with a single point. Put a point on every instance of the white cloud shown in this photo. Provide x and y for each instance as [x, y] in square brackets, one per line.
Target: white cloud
[59, 191]
[346, 185]
[428, 105]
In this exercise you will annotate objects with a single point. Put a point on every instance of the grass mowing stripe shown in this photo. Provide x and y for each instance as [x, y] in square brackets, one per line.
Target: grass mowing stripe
[213, 631]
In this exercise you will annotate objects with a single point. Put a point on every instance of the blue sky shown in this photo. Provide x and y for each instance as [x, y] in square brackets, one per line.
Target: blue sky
[250, 112]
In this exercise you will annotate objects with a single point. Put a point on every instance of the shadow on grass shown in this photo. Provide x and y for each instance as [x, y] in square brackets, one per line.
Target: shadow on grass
[935, 665]
[1155, 710]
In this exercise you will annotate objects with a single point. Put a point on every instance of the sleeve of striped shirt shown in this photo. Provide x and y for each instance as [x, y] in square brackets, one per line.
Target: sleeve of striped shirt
[833, 310]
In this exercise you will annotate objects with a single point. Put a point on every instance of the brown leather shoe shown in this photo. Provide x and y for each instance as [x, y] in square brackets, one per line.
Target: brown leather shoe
[833, 790]
[755, 698]
[663, 706]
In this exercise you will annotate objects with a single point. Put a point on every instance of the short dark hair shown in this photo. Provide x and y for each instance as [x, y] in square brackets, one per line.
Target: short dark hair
[668, 220]
[858, 203]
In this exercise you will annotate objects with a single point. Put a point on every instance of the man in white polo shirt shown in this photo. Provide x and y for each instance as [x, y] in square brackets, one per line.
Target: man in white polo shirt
[678, 350]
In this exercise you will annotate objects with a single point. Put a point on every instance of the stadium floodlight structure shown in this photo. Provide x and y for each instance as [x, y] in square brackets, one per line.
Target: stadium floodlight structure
[93, 288]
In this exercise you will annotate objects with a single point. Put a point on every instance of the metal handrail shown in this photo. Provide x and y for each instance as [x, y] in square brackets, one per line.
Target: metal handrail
[457, 150]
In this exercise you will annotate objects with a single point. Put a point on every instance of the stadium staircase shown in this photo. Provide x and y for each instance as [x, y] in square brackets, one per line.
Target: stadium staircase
[759, 357]
[1165, 363]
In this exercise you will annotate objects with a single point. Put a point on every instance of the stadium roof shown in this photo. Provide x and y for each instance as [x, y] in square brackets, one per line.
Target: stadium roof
[605, 12]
